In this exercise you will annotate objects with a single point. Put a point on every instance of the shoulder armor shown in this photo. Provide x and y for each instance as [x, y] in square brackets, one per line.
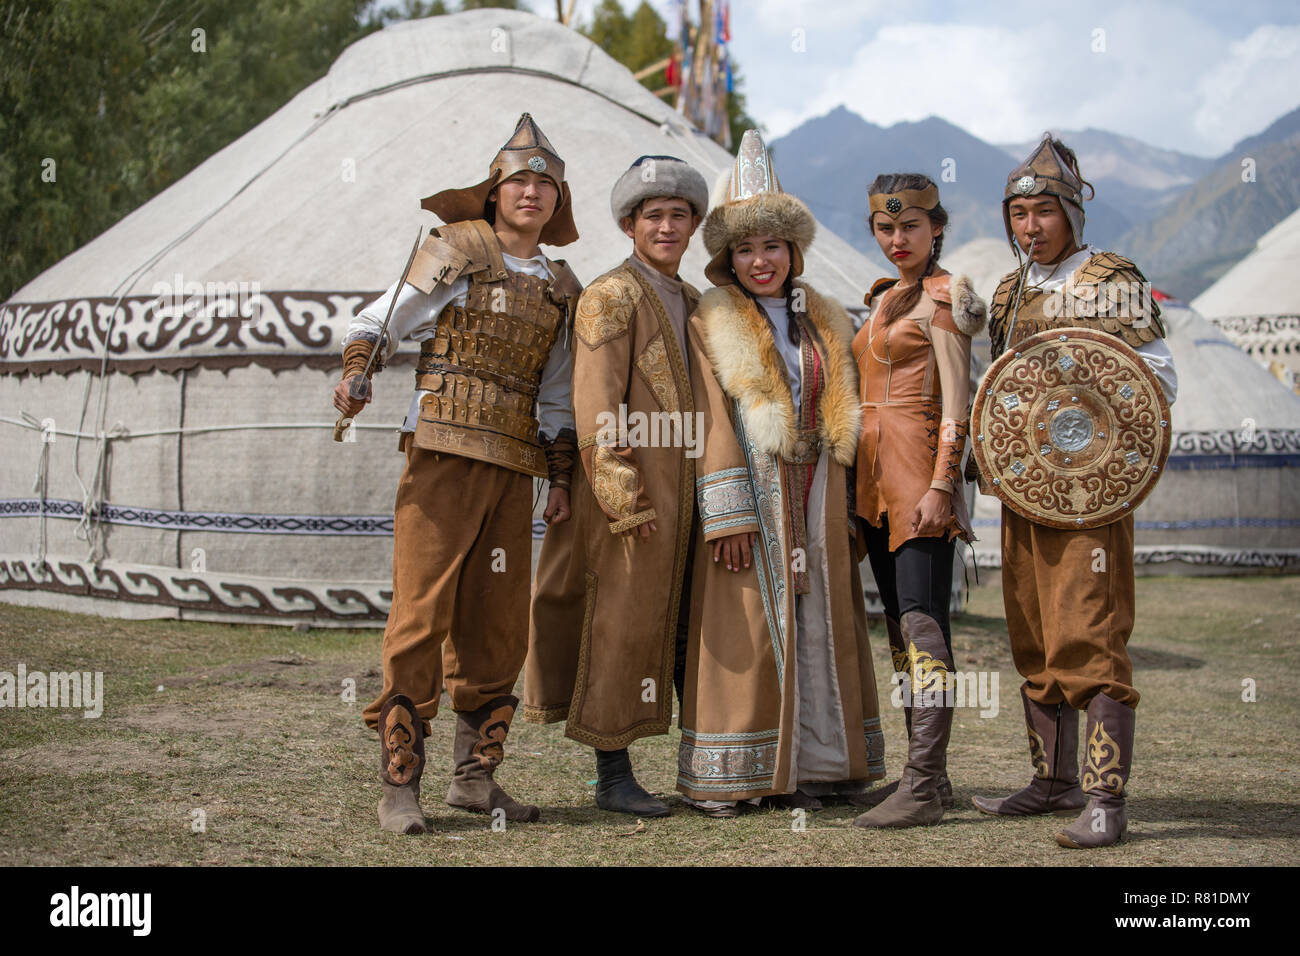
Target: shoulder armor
[879, 287]
[606, 308]
[455, 250]
[1111, 293]
[936, 287]
[1000, 307]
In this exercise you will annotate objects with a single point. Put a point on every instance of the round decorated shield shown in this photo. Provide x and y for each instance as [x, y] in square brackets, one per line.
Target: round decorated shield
[1071, 428]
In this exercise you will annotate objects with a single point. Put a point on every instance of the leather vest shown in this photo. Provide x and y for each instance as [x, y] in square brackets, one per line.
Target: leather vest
[482, 368]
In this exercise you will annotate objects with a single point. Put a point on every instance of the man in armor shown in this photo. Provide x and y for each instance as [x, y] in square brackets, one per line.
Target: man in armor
[1069, 594]
[491, 411]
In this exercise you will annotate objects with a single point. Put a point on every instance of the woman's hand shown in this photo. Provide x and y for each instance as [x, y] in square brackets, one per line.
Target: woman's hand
[734, 549]
[931, 514]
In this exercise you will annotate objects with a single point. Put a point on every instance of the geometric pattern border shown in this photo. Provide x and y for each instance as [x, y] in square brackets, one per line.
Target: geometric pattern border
[174, 587]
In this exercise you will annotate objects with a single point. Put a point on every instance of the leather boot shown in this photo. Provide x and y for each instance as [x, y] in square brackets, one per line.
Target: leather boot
[1054, 752]
[1109, 742]
[618, 791]
[401, 762]
[916, 800]
[873, 798]
[479, 750]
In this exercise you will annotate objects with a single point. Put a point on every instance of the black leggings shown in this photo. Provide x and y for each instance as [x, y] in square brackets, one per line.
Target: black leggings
[916, 577]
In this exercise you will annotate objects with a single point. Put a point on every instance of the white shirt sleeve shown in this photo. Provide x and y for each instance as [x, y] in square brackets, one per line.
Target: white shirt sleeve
[1161, 361]
[415, 316]
[555, 393]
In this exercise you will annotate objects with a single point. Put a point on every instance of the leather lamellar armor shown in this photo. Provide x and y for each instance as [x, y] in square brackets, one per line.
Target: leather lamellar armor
[482, 366]
[1107, 293]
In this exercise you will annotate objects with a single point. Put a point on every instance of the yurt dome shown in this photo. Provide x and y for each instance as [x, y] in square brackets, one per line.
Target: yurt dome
[1257, 302]
[165, 390]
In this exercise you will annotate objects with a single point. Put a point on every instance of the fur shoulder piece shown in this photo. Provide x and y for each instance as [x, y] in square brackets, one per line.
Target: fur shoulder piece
[878, 288]
[606, 307]
[969, 311]
[740, 346]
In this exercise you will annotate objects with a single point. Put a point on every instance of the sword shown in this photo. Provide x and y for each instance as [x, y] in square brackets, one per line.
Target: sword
[359, 390]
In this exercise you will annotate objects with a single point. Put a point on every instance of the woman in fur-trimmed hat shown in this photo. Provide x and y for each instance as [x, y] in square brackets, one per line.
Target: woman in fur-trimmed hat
[913, 359]
[780, 692]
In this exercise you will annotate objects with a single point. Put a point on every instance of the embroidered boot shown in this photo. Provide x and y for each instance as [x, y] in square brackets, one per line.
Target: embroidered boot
[1109, 742]
[401, 739]
[479, 750]
[617, 789]
[1054, 752]
[916, 801]
[873, 798]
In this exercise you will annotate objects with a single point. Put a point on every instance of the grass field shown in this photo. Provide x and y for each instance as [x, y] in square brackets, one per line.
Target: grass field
[248, 725]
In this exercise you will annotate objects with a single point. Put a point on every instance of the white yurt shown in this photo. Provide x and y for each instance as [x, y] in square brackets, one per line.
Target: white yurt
[1257, 302]
[165, 390]
[1229, 500]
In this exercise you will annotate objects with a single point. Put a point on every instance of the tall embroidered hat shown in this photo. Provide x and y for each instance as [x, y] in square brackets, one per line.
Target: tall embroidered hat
[1050, 171]
[527, 149]
[754, 204]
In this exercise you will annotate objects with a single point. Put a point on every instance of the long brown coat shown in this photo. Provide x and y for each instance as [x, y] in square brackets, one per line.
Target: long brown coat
[754, 653]
[604, 618]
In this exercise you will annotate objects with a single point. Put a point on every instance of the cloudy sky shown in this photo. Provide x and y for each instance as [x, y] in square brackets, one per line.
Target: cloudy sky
[1192, 75]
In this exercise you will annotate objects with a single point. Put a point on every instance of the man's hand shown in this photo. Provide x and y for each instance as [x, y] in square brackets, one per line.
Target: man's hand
[557, 506]
[641, 530]
[931, 514]
[344, 401]
[734, 549]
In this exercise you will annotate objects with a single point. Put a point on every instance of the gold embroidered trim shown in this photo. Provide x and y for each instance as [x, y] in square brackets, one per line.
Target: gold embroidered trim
[614, 482]
[1101, 768]
[587, 441]
[641, 517]
[545, 715]
[654, 368]
[605, 310]
[1038, 754]
[929, 673]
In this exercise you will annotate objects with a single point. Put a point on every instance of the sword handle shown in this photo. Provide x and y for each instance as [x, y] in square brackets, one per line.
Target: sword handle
[358, 391]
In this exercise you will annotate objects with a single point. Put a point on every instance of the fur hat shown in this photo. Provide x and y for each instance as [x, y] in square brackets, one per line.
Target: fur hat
[754, 205]
[527, 149]
[658, 177]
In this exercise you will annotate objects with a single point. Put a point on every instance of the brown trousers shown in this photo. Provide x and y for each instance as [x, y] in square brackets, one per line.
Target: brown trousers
[460, 606]
[1069, 598]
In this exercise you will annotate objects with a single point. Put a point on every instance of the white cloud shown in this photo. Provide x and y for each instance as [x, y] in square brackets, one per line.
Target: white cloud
[1254, 84]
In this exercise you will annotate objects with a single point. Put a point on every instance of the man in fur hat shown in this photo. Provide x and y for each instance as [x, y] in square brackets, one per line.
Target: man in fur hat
[1069, 622]
[609, 617]
[490, 412]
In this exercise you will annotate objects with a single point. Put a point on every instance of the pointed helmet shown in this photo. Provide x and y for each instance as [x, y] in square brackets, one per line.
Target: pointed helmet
[754, 204]
[527, 149]
[1054, 172]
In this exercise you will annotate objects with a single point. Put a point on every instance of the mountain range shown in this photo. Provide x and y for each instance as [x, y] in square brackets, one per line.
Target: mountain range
[1185, 219]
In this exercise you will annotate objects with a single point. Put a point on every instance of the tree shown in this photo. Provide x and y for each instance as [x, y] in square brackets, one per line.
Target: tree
[104, 105]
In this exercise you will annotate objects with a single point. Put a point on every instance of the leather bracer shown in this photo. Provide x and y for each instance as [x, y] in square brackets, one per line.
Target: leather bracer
[952, 442]
[561, 456]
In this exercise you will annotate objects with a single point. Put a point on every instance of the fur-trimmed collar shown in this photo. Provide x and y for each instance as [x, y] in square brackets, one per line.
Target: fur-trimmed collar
[742, 350]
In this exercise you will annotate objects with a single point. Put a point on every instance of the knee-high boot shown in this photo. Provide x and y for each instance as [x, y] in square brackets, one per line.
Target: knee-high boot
[1054, 752]
[1109, 743]
[479, 749]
